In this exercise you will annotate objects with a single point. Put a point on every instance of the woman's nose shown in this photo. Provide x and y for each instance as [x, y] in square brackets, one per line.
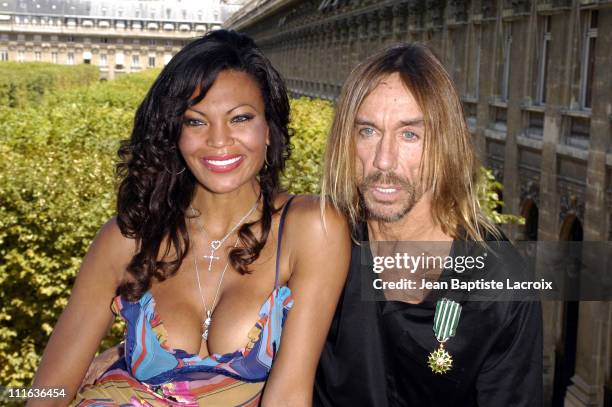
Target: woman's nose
[219, 136]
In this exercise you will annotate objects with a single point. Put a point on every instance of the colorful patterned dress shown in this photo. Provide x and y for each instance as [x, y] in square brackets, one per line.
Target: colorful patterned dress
[152, 373]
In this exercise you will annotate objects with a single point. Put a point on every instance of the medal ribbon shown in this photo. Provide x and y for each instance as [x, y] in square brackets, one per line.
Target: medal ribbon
[446, 319]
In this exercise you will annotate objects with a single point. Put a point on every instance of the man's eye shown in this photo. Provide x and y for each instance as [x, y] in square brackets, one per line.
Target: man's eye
[366, 132]
[192, 122]
[242, 118]
[410, 136]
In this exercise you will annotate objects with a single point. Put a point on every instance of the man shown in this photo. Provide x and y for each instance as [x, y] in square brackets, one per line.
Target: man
[400, 165]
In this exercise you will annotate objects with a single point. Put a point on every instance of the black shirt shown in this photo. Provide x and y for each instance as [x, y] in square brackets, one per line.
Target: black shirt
[376, 352]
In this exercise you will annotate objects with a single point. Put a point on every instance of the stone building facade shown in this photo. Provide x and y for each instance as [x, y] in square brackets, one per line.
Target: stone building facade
[535, 78]
[119, 36]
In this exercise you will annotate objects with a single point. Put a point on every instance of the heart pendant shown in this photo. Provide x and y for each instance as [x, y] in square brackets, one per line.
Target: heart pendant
[215, 244]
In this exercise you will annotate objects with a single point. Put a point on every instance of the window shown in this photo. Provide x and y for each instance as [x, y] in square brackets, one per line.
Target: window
[151, 61]
[535, 125]
[543, 58]
[579, 129]
[20, 56]
[504, 74]
[588, 60]
[37, 56]
[54, 57]
[456, 63]
[119, 60]
[135, 60]
[4, 55]
[152, 42]
[499, 118]
[70, 58]
[472, 87]
[103, 60]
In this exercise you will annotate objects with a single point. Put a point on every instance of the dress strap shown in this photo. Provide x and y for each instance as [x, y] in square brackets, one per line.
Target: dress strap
[281, 224]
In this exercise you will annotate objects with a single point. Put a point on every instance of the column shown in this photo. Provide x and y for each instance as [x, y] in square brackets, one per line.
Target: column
[595, 318]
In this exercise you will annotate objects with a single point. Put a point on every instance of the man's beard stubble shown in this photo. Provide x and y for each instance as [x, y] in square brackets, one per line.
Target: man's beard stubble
[374, 208]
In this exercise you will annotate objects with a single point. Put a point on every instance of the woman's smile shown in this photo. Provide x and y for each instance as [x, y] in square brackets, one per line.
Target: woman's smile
[223, 163]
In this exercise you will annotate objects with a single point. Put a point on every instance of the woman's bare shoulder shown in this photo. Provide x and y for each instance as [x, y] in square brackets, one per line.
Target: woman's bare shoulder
[112, 249]
[307, 217]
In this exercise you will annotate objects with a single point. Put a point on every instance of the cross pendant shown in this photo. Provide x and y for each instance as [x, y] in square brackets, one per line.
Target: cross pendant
[206, 325]
[211, 257]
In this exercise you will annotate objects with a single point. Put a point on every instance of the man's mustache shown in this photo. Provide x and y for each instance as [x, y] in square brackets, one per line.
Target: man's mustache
[386, 178]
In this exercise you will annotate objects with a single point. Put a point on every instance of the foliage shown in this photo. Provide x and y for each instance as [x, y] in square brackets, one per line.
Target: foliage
[20, 87]
[490, 201]
[310, 124]
[56, 189]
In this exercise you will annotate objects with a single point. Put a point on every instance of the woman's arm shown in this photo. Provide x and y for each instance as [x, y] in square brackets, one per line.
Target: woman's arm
[319, 263]
[87, 317]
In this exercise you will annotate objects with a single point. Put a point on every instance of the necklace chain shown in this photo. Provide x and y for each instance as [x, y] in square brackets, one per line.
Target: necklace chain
[216, 244]
[208, 311]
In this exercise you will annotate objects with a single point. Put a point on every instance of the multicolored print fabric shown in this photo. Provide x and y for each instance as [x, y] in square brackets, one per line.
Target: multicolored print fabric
[152, 373]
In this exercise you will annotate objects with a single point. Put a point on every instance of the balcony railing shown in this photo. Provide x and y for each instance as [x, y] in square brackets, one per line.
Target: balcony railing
[106, 25]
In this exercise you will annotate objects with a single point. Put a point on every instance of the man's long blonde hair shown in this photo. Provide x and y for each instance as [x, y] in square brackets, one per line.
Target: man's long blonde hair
[449, 167]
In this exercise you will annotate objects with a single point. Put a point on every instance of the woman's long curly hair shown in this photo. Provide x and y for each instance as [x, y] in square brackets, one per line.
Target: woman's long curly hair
[156, 188]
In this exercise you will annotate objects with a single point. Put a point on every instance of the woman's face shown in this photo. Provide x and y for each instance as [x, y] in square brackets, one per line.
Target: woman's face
[223, 138]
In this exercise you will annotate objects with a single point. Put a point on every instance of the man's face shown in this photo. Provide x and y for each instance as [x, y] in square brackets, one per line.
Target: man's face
[389, 134]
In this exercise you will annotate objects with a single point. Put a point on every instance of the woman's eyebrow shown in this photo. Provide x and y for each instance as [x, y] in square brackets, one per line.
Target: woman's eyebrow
[197, 111]
[241, 105]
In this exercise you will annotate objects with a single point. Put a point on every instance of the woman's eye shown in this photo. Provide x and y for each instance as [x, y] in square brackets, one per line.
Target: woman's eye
[192, 122]
[410, 136]
[242, 118]
[366, 132]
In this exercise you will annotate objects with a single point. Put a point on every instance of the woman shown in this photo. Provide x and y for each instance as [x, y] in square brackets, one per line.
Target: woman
[201, 240]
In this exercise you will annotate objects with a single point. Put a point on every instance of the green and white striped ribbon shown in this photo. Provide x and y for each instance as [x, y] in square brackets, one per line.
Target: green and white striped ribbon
[446, 319]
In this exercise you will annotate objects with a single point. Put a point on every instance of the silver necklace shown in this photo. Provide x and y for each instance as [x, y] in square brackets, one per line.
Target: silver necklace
[208, 311]
[215, 244]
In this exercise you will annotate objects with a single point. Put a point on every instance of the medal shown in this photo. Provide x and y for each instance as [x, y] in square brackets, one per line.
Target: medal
[446, 319]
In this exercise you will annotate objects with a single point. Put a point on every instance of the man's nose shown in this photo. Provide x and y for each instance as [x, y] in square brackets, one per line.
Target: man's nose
[219, 136]
[386, 153]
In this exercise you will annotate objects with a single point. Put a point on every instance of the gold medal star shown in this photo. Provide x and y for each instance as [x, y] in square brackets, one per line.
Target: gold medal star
[440, 361]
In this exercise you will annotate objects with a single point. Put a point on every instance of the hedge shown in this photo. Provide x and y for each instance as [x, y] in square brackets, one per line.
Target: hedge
[57, 188]
[22, 84]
